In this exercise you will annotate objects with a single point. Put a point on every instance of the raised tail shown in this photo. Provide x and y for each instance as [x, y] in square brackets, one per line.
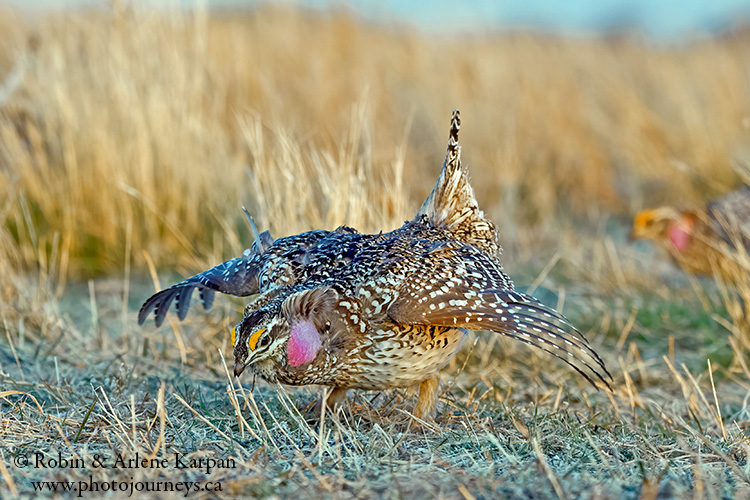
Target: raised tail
[452, 205]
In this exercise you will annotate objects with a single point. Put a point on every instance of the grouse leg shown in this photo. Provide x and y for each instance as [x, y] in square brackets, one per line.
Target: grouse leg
[428, 391]
[335, 397]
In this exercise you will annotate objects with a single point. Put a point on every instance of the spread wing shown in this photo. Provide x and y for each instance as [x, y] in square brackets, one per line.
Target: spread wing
[238, 276]
[729, 217]
[473, 292]
[267, 264]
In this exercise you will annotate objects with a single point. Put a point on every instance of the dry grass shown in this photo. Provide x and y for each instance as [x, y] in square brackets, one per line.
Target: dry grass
[128, 141]
[162, 120]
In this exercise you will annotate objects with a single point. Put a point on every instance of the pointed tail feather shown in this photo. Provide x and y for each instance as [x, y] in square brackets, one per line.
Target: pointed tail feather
[452, 205]
[442, 205]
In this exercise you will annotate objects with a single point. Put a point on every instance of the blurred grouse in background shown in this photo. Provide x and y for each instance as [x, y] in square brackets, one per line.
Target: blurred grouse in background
[705, 240]
[378, 311]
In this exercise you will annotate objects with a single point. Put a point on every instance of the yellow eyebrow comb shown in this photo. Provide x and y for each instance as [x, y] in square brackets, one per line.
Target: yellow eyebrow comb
[253, 340]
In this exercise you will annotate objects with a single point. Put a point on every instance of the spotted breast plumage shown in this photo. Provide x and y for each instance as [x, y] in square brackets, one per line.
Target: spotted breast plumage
[377, 311]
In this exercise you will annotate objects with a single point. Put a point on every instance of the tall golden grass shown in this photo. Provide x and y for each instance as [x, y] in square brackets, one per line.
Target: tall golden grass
[129, 139]
[129, 133]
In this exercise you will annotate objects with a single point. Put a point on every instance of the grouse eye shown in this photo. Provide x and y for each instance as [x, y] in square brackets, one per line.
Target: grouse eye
[264, 341]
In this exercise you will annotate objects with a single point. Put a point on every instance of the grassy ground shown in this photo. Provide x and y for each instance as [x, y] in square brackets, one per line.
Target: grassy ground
[128, 141]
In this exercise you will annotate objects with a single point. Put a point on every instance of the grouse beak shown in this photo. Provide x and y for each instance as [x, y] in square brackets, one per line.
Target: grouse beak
[239, 368]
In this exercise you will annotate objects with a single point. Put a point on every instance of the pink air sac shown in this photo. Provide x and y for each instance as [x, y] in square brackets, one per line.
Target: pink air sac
[679, 236]
[304, 343]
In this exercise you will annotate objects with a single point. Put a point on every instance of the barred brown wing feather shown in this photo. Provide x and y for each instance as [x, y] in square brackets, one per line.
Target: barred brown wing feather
[508, 312]
[236, 276]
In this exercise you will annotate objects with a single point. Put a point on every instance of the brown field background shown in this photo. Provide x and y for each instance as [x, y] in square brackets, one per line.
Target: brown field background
[129, 140]
[132, 132]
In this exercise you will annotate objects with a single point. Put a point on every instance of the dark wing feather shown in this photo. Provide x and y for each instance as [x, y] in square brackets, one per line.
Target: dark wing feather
[183, 302]
[207, 297]
[238, 276]
[267, 264]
